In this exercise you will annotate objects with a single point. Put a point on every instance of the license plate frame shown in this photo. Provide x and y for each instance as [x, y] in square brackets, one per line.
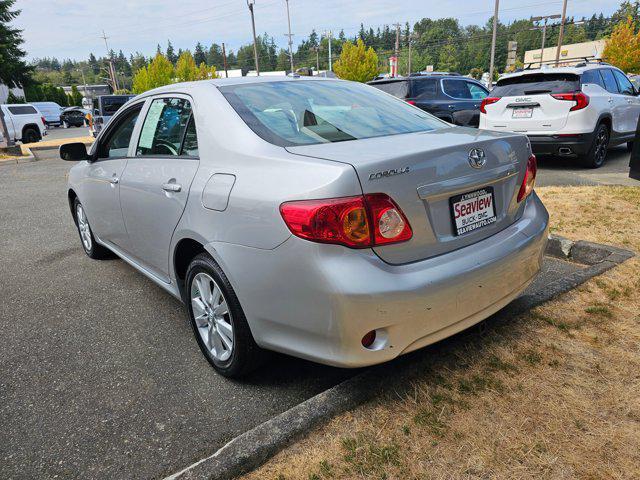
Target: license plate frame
[522, 112]
[467, 223]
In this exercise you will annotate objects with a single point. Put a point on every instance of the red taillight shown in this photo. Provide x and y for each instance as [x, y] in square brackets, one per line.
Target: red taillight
[411, 102]
[356, 222]
[529, 180]
[487, 101]
[580, 98]
[44, 122]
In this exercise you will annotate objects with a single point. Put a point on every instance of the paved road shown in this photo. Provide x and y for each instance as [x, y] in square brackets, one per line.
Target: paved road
[55, 133]
[100, 376]
[567, 171]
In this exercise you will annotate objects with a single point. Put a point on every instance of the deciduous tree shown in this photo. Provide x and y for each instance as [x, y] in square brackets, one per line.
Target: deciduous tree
[357, 62]
[623, 47]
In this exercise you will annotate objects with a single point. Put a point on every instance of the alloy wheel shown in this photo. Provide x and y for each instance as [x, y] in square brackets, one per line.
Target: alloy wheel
[83, 227]
[212, 317]
[602, 142]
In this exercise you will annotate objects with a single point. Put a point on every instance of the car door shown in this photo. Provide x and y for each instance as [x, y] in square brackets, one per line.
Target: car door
[155, 185]
[617, 102]
[100, 191]
[630, 102]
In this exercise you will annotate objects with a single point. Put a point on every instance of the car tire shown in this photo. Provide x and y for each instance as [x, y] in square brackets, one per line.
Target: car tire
[30, 135]
[218, 321]
[597, 153]
[87, 240]
[629, 146]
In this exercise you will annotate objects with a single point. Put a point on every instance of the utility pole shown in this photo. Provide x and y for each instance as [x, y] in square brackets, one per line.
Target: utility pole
[224, 61]
[328, 35]
[493, 43]
[410, 39]
[317, 49]
[250, 4]
[544, 31]
[290, 35]
[397, 46]
[561, 34]
[112, 70]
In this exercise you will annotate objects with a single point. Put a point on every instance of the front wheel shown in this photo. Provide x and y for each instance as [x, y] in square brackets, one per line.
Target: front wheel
[597, 153]
[89, 245]
[30, 135]
[217, 319]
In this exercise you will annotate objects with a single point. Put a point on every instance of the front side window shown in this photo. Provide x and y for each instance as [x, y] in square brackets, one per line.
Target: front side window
[609, 80]
[456, 89]
[164, 127]
[304, 112]
[623, 83]
[117, 142]
[477, 92]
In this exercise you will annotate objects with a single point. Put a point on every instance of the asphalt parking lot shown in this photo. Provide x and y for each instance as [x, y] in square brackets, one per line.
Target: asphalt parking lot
[100, 376]
[56, 133]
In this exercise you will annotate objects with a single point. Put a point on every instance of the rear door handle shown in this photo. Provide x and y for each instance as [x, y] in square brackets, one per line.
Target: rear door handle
[171, 187]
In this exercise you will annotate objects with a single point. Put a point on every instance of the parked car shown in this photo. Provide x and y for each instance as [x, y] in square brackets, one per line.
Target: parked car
[24, 122]
[320, 218]
[451, 97]
[568, 111]
[74, 117]
[104, 107]
[50, 111]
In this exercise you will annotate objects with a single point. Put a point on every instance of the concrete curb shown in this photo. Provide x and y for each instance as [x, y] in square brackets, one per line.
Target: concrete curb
[251, 449]
[27, 156]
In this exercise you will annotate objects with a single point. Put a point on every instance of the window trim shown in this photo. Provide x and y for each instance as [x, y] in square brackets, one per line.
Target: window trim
[151, 99]
[620, 92]
[461, 80]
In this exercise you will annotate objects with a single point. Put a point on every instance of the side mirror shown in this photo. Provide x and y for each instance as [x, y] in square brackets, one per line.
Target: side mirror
[74, 152]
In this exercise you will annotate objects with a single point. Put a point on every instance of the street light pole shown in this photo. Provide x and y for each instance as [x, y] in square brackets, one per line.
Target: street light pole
[250, 4]
[493, 43]
[290, 35]
[561, 34]
[224, 61]
[328, 35]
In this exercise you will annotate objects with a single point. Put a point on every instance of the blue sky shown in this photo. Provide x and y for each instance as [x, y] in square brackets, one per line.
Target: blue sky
[72, 28]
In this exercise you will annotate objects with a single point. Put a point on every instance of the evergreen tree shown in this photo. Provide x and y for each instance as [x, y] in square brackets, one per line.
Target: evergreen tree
[198, 54]
[13, 69]
[171, 54]
[93, 64]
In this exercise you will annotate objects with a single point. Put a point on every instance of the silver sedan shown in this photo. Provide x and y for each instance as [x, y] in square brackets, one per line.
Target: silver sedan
[315, 217]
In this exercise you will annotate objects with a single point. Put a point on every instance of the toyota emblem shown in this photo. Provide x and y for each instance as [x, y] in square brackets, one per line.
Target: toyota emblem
[477, 158]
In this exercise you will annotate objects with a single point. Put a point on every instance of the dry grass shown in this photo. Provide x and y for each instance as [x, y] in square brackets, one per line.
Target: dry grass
[552, 394]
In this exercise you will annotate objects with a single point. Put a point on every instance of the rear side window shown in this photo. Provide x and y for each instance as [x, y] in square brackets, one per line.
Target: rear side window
[592, 76]
[424, 89]
[462, 89]
[164, 127]
[23, 110]
[623, 83]
[537, 84]
[398, 89]
[609, 80]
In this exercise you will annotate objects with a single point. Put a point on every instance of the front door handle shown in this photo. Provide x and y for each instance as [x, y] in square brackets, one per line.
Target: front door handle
[171, 187]
[114, 180]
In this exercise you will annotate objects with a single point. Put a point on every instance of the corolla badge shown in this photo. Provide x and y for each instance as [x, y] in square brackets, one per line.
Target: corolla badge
[388, 173]
[477, 158]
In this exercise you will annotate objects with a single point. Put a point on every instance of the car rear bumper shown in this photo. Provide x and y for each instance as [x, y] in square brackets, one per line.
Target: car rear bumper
[561, 144]
[317, 301]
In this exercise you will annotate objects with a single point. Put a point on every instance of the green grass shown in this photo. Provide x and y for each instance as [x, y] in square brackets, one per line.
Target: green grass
[599, 310]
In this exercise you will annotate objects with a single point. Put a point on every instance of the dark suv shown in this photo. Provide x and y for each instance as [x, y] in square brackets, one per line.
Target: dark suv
[451, 97]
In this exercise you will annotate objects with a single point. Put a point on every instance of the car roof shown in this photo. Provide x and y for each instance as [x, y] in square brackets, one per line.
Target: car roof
[576, 70]
[221, 82]
[424, 76]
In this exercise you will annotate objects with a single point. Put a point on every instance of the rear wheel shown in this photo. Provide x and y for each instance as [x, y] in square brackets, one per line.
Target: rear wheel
[217, 319]
[30, 135]
[597, 153]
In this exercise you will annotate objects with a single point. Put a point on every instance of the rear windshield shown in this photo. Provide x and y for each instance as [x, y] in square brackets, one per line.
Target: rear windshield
[538, 83]
[23, 110]
[111, 105]
[398, 89]
[309, 112]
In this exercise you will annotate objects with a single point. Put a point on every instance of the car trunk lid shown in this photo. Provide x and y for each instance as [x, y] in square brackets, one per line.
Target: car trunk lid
[423, 172]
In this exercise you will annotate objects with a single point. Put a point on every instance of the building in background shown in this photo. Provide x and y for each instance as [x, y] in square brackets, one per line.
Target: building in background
[90, 91]
[569, 54]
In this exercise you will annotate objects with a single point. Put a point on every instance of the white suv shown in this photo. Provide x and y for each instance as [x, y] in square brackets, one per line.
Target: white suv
[568, 111]
[24, 122]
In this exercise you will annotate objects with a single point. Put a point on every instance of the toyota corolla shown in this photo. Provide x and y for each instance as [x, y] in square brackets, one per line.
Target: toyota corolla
[315, 217]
